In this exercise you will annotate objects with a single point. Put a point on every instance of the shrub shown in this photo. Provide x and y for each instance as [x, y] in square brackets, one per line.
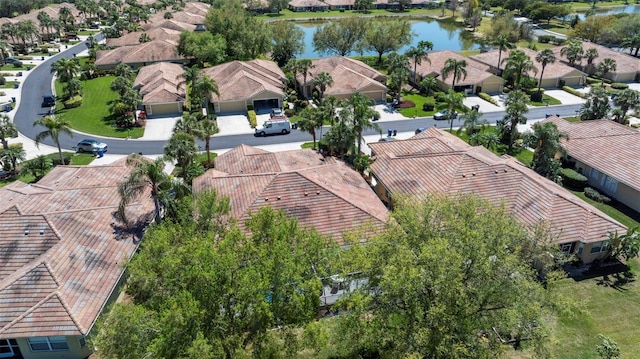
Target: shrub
[75, 101]
[3, 81]
[439, 96]
[289, 112]
[485, 96]
[2, 93]
[596, 196]
[574, 92]
[428, 106]
[65, 155]
[17, 64]
[506, 89]
[253, 121]
[592, 80]
[536, 96]
[619, 86]
[250, 107]
[558, 41]
[562, 83]
[544, 39]
[389, 98]
[573, 179]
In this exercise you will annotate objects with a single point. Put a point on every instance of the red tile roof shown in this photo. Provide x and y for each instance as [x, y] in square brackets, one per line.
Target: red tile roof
[437, 162]
[251, 160]
[349, 75]
[555, 70]
[241, 80]
[158, 83]
[476, 70]
[148, 52]
[60, 255]
[330, 197]
[624, 62]
[605, 145]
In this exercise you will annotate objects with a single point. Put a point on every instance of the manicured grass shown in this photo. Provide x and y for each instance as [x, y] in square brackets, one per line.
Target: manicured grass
[9, 84]
[546, 100]
[93, 116]
[525, 156]
[308, 145]
[419, 100]
[572, 119]
[619, 212]
[82, 159]
[87, 32]
[10, 67]
[539, 45]
[203, 156]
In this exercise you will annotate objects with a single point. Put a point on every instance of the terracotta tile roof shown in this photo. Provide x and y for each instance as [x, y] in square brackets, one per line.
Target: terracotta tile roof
[153, 51]
[420, 166]
[60, 258]
[158, 83]
[340, 2]
[169, 24]
[624, 62]
[156, 33]
[241, 80]
[251, 160]
[307, 3]
[330, 197]
[349, 76]
[192, 13]
[605, 145]
[551, 71]
[51, 10]
[476, 70]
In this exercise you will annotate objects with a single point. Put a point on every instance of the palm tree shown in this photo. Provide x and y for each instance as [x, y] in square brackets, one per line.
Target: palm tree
[304, 66]
[590, 55]
[123, 70]
[417, 54]
[545, 139]
[399, 69]
[428, 84]
[596, 106]
[146, 174]
[361, 113]
[457, 67]
[13, 154]
[632, 41]
[503, 43]
[453, 102]
[181, 147]
[10, 30]
[516, 107]
[204, 88]
[189, 78]
[54, 127]
[518, 64]
[627, 99]
[37, 167]
[573, 51]
[5, 47]
[27, 30]
[293, 67]
[66, 69]
[329, 107]
[131, 99]
[45, 20]
[544, 57]
[200, 127]
[472, 122]
[322, 81]
[605, 66]
[121, 85]
[311, 119]
[7, 130]
[74, 87]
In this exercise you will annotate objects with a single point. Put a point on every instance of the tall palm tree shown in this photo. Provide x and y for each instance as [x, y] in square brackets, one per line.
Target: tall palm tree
[200, 127]
[428, 84]
[311, 119]
[5, 49]
[472, 122]
[322, 81]
[7, 130]
[573, 51]
[627, 99]
[66, 69]
[544, 57]
[147, 174]
[417, 54]
[360, 108]
[457, 67]
[516, 107]
[503, 43]
[545, 139]
[605, 66]
[304, 66]
[27, 31]
[13, 154]
[399, 69]
[293, 67]
[204, 88]
[189, 78]
[54, 127]
[632, 41]
[329, 107]
[131, 99]
[518, 64]
[45, 21]
[590, 55]
[181, 147]
[453, 102]
[10, 30]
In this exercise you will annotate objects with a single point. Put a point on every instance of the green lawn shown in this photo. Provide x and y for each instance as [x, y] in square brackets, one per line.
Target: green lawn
[9, 84]
[308, 145]
[618, 212]
[419, 100]
[10, 67]
[546, 100]
[93, 116]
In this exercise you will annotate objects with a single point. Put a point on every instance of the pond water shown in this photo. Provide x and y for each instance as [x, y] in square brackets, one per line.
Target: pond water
[629, 9]
[443, 35]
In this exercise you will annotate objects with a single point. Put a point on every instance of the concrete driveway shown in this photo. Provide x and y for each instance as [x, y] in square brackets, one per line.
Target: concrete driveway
[234, 125]
[159, 128]
[564, 97]
[485, 106]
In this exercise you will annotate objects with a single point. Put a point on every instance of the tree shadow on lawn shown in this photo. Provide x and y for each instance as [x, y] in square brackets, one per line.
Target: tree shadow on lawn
[614, 273]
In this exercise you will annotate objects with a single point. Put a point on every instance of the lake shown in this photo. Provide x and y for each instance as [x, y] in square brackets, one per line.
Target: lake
[629, 9]
[443, 35]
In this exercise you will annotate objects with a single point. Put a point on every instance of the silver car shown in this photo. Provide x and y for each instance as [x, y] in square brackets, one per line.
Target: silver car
[444, 115]
[88, 145]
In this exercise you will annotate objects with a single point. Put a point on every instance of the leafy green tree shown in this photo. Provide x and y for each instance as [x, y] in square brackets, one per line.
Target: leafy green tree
[517, 66]
[341, 136]
[37, 167]
[597, 106]
[605, 66]
[7, 130]
[399, 71]
[363, 5]
[181, 147]
[383, 36]
[516, 108]
[121, 85]
[503, 23]
[428, 84]
[73, 88]
[544, 57]
[446, 279]
[607, 349]
[277, 5]
[625, 245]
[456, 67]
[545, 140]
[66, 69]
[204, 47]
[329, 107]
[55, 126]
[402, 4]
[419, 53]
[339, 37]
[124, 70]
[287, 42]
[573, 52]
[321, 82]
[130, 101]
[627, 99]
[592, 28]
[310, 120]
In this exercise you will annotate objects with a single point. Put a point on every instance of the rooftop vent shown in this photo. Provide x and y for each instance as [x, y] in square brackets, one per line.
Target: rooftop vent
[266, 199]
[306, 194]
[317, 192]
[279, 198]
[42, 232]
[26, 232]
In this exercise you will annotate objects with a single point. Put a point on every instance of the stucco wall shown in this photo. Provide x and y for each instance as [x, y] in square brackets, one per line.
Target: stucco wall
[74, 352]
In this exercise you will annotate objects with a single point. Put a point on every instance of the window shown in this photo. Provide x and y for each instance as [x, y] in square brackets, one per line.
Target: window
[594, 174]
[598, 247]
[82, 341]
[610, 183]
[566, 248]
[6, 348]
[41, 344]
[581, 248]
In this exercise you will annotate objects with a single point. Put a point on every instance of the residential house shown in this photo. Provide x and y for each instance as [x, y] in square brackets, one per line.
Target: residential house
[156, 33]
[140, 55]
[627, 66]
[608, 153]
[169, 24]
[61, 258]
[308, 5]
[555, 75]
[259, 83]
[349, 77]
[52, 10]
[436, 162]
[192, 13]
[479, 77]
[340, 4]
[161, 89]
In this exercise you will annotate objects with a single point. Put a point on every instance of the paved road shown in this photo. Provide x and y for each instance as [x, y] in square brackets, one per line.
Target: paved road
[37, 84]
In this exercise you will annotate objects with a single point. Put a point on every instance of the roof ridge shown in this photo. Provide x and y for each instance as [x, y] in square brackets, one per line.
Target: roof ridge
[37, 306]
[21, 272]
[81, 329]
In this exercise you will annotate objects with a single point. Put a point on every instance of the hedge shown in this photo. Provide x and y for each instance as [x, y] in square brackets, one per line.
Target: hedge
[619, 86]
[253, 121]
[596, 196]
[573, 179]
[574, 92]
[3, 81]
[428, 106]
[593, 80]
[75, 101]
[485, 96]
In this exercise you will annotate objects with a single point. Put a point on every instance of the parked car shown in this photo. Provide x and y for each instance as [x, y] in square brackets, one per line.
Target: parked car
[421, 129]
[11, 60]
[386, 139]
[48, 100]
[276, 112]
[88, 145]
[275, 126]
[94, 26]
[444, 115]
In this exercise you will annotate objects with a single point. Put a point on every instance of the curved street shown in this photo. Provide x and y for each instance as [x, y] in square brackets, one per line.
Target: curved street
[39, 83]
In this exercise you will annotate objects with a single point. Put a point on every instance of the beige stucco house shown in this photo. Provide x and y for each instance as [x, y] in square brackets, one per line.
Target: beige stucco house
[627, 66]
[163, 90]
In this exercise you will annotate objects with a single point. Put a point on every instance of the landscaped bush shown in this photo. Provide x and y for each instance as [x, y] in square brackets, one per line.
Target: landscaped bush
[573, 179]
[428, 106]
[574, 92]
[596, 196]
[75, 101]
[65, 155]
[485, 96]
[536, 96]
[17, 64]
[253, 121]
[619, 86]
[389, 98]
[3, 81]
[289, 112]
[506, 89]
[250, 107]
[544, 39]
[592, 80]
[439, 96]
[558, 41]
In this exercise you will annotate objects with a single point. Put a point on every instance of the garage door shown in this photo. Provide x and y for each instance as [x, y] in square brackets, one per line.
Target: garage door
[264, 106]
[572, 81]
[232, 107]
[376, 96]
[491, 87]
[164, 109]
